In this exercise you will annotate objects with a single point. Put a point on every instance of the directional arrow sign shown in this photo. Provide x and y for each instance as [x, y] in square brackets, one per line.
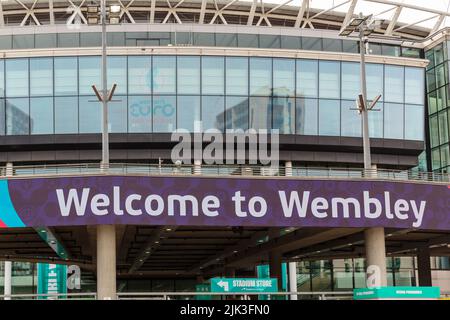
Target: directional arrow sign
[244, 285]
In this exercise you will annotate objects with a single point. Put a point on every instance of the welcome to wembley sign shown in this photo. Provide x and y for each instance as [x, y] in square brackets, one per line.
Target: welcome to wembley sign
[206, 201]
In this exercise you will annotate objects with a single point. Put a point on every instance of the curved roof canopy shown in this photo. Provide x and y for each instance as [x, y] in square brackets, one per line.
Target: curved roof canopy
[413, 19]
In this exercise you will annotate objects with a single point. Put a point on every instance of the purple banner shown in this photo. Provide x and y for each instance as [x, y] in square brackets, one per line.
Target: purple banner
[207, 201]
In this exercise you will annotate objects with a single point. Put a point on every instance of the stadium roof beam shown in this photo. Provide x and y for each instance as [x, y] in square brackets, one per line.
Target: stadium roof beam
[349, 15]
[393, 22]
[125, 10]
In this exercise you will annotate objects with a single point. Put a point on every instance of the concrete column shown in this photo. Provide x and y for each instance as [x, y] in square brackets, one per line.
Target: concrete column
[424, 267]
[197, 167]
[275, 266]
[288, 168]
[7, 283]
[106, 262]
[375, 257]
[9, 169]
[293, 279]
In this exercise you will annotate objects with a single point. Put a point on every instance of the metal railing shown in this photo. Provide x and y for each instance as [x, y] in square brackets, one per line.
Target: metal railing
[221, 170]
[51, 296]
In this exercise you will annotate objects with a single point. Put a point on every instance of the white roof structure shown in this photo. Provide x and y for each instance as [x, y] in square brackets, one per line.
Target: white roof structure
[414, 19]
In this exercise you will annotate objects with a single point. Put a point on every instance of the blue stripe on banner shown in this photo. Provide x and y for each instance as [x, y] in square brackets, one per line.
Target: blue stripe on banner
[7, 212]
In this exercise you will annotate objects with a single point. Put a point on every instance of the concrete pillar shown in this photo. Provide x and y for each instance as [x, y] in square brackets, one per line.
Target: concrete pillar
[106, 262]
[7, 283]
[375, 257]
[288, 168]
[197, 167]
[424, 267]
[275, 266]
[293, 279]
[9, 171]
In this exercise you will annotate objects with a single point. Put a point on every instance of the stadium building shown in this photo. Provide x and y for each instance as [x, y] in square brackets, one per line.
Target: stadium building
[230, 65]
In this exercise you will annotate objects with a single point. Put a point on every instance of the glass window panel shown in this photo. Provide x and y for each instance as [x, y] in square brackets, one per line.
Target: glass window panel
[66, 114]
[213, 75]
[429, 55]
[140, 114]
[284, 115]
[164, 74]
[445, 155]
[47, 40]
[2, 117]
[213, 112]
[17, 116]
[117, 112]
[435, 159]
[289, 42]
[6, 42]
[23, 41]
[350, 46]
[226, 40]
[188, 113]
[434, 131]
[350, 80]
[438, 54]
[393, 121]
[374, 79]
[410, 52]
[117, 73]
[16, 77]
[284, 77]
[329, 116]
[68, 40]
[139, 75]
[414, 122]
[90, 114]
[41, 76]
[375, 48]
[432, 102]
[260, 76]
[90, 71]
[307, 116]
[90, 39]
[236, 76]
[329, 79]
[443, 127]
[441, 98]
[307, 78]
[269, 41]
[164, 113]
[389, 50]
[440, 75]
[188, 75]
[350, 120]
[309, 43]
[260, 113]
[66, 76]
[394, 83]
[115, 39]
[204, 39]
[414, 85]
[236, 113]
[431, 80]
[41, 113]
[333, 45]
[183, 38]
[247, 40]
[2, 78]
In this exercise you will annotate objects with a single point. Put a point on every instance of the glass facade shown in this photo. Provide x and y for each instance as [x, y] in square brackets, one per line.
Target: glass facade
[438, 96]
[163, 93]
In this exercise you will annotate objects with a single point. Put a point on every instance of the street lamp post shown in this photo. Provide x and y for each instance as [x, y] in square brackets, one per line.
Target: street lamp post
[374, 238]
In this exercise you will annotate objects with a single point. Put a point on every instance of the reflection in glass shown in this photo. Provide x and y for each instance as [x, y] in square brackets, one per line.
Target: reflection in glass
[41, 111]
[443, 127]
[213, 75]
[284, 115]
[307, 78]
[188, 113]
[376, 121]
[188, 75]
[393, 121]
[307, 116]
[2, 117]
[260, 76]
[140, 114]
[260, 113]
[329, 79]
[139, 75]
[89, 74]
[394, 83]
[284, 77]
[236, 113]
[117, 112]
[329, 115]
[213, 112]
[164, 74]
[414, 85]
[236, 76]
[17, 116]
[66, 76]
[41, 76]
[90, 114]
[2, 78]
[350, 80]
[414, 122]
[66, 114]
[117, 73]
[16, 77]
[374, 80]
[350, 120]
[164, 113]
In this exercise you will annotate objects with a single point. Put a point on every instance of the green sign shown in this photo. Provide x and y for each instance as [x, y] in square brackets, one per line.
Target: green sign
[52, 278]
[263, 271]
[204, 287]
[243, 285]
[396, 293]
